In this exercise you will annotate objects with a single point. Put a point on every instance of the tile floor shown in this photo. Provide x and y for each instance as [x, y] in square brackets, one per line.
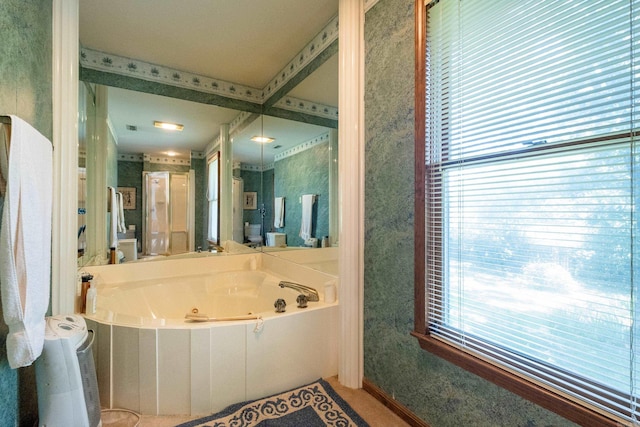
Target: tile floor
[373, 412]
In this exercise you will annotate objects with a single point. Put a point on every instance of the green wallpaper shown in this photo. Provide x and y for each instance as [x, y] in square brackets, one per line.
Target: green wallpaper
[25, 90]
[267, 189]
[438, 392]
[304, 173]
[252, 181]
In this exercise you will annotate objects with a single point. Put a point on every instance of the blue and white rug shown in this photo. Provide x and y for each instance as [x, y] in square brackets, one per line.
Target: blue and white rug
[312, 405]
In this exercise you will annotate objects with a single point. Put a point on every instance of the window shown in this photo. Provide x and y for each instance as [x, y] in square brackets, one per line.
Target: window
[213, 194]
[529, 182]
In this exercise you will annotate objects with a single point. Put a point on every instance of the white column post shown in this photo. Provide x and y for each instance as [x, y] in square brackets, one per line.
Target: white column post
[334, 201]
[226, 184]
[97, 224]
[65, 155]
[351, 189]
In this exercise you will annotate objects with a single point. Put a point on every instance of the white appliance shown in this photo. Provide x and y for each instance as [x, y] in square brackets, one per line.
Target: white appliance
[129, 248]
[277, 239]
[66, 376]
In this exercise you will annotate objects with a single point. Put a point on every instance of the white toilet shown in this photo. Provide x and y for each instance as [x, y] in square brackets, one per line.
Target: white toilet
[252, 233]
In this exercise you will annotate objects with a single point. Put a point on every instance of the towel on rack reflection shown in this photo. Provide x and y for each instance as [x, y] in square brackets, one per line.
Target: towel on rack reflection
[307, 210]
[25, 241]
[113, 229]
[278, 211]
[122, 227]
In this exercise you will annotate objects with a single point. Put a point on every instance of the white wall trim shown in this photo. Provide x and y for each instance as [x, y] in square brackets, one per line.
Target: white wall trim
[351, 191]
[64, 248]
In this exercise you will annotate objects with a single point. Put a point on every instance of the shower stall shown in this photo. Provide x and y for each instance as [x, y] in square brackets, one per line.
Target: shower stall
[169, 214]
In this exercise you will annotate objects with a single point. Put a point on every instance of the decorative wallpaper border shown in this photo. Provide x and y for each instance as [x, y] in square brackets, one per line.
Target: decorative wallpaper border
[295, 104]
[110, 63]
[130, 157]
[255, 168]
[167, 160]
[249, 167]
[318, 44]
[302, 147]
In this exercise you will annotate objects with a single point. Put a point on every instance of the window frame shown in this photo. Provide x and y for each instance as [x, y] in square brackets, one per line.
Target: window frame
[529, 390]
[213, 158]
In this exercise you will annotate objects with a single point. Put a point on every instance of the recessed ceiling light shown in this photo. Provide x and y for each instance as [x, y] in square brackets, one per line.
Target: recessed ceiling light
[168, 126]
[262, 139]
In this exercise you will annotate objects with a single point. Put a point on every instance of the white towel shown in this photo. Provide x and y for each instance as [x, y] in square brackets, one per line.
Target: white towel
[278, 221]
[307, 209]
[122, 227]
[113, 230]
[25, 242]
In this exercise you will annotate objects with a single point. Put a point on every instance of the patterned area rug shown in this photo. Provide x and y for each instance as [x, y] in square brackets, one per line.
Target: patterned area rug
[316, 404]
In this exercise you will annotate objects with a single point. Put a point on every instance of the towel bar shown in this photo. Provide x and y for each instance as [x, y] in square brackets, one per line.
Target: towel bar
[6, 120]
[4, 157]
[5, 138]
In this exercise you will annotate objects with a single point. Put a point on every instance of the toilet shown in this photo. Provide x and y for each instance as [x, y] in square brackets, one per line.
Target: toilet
[252, 233]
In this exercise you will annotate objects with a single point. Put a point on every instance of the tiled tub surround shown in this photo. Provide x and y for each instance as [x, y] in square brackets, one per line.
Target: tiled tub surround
[165, 366]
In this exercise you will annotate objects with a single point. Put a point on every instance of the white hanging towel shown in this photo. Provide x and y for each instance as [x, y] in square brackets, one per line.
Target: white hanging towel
[307, 209]
[122, 227]
[25, 242]
[113, 230]
[278, 221]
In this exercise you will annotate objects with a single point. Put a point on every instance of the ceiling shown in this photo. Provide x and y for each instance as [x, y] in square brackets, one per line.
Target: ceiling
[246, 42]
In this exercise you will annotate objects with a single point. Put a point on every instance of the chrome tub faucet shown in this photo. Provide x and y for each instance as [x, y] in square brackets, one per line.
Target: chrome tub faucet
[310, 293]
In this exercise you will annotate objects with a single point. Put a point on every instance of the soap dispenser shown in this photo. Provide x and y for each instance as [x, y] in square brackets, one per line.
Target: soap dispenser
[92, 297]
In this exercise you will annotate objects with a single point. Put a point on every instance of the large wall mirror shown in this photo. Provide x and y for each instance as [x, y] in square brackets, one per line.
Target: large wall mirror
[227, 72]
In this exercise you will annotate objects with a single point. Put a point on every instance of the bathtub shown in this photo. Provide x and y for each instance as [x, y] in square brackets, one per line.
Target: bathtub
[151, 360]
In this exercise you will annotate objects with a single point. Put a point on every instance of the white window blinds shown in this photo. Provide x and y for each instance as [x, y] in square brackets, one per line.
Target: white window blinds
[532, 172]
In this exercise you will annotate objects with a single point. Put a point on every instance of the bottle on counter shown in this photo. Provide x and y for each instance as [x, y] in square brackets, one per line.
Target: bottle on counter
[86, 279]
[92, 297]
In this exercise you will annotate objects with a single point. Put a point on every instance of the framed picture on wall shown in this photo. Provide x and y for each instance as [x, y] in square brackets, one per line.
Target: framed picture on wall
[250, 200]
[128, 197]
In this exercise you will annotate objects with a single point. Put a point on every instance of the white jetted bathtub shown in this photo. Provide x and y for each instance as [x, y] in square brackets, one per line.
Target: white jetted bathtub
[152, 360]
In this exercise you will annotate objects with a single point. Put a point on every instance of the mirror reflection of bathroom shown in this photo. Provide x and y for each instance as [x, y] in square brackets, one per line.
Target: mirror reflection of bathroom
[269, 179]
[239, 190]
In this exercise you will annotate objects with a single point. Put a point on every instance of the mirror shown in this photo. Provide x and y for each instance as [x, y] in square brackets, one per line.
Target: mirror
[267, 172]
[299, 159]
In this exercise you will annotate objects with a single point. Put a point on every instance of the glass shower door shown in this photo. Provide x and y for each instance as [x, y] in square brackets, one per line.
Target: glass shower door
[157, 232]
